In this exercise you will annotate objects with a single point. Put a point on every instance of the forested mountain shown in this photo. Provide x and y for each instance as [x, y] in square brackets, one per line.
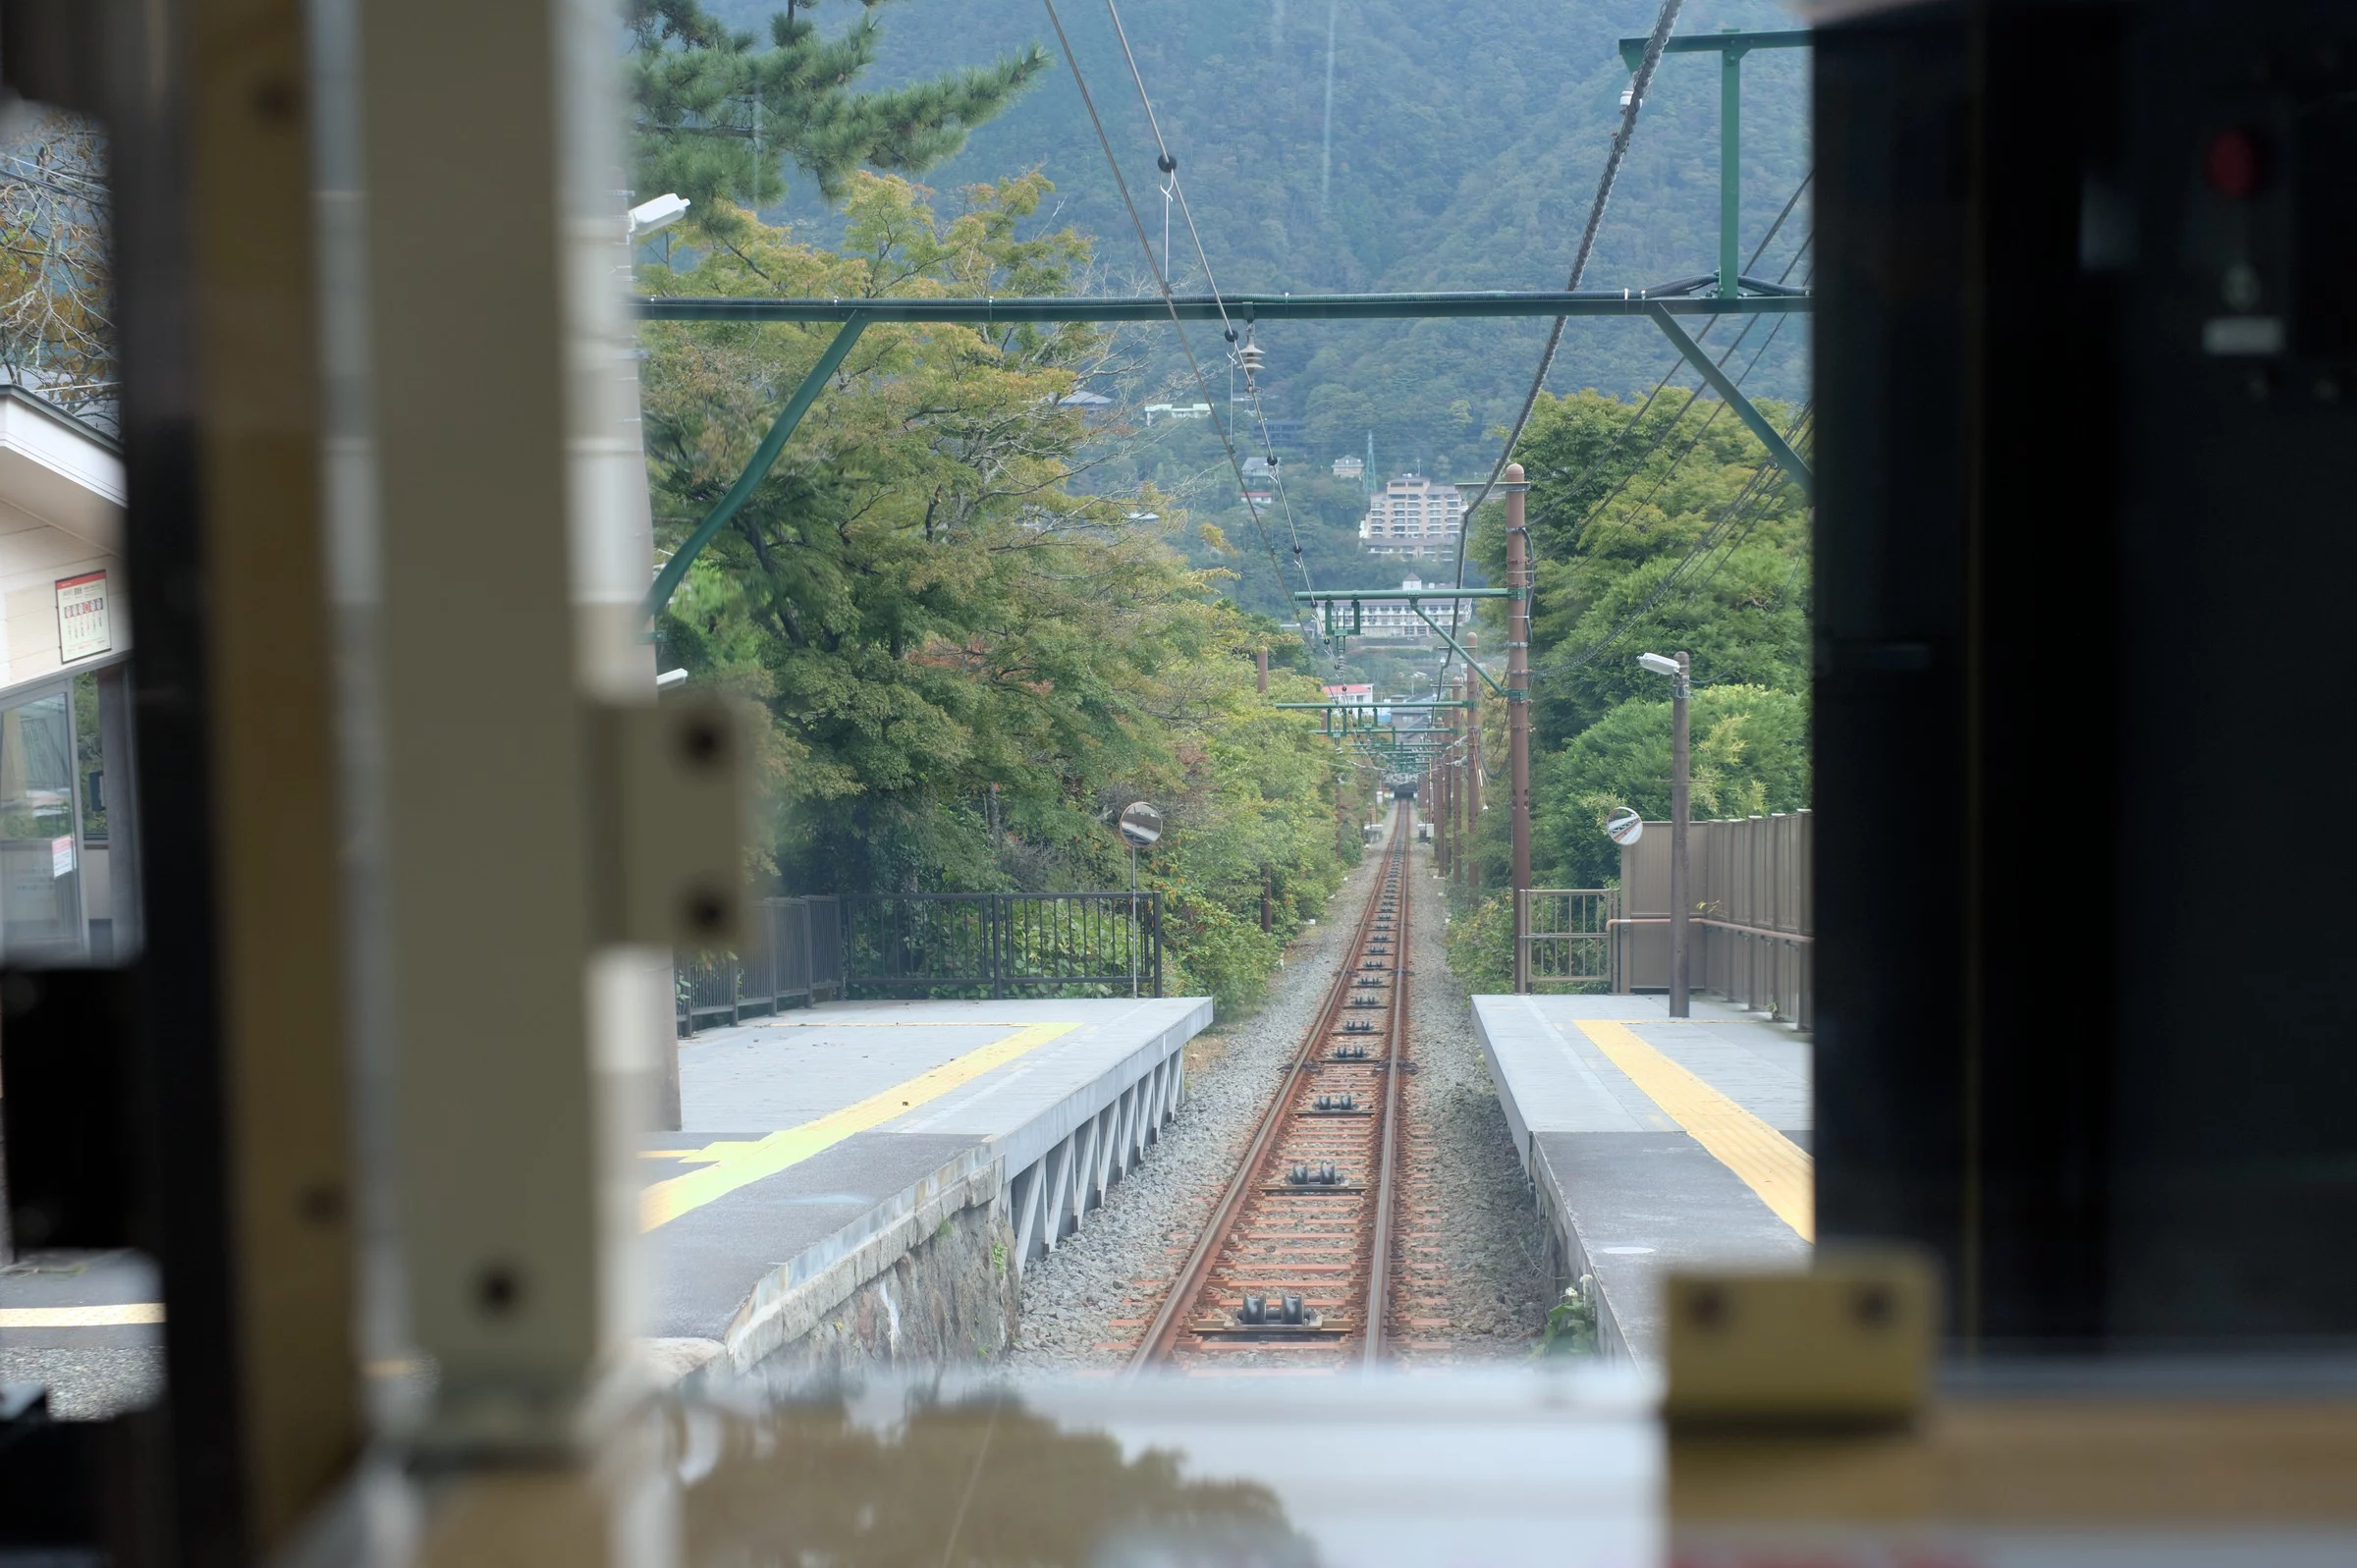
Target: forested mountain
[1465, 142]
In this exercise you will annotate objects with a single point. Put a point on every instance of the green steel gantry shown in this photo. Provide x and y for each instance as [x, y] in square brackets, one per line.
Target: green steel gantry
[1732, 294]
[1730, 47]
[854, 316]
[1413, 598]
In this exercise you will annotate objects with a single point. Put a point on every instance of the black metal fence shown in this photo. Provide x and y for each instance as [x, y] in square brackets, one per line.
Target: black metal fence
[809, 950]
[994, 944]
[793, 952]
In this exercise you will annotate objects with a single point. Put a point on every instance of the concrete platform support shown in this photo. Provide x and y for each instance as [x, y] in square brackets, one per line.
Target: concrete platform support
[1053, 1196]
[920, 1156]
[1653, 1144]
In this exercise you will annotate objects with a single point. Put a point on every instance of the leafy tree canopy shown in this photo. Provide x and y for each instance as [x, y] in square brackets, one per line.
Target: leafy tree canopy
[1749, 757]
[1657, 527]
[56, 273]
[719, 113]
[968, 666]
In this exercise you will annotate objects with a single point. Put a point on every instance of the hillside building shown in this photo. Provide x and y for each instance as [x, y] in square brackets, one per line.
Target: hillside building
[1353, 470]
[1392, 621]
[1412, 516]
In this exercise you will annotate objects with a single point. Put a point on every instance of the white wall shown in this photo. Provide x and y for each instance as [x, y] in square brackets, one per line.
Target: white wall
[61, 514]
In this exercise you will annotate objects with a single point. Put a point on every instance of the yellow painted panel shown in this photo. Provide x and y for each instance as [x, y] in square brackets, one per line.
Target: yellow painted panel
[1770, 1163]
[732, 1164]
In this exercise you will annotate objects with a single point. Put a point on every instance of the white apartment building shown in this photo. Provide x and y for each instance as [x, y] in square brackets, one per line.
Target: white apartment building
[1411, 516]
[1393, 621]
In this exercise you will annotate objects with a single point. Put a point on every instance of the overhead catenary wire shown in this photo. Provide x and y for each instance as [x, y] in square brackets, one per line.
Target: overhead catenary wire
[1752, 497]
[1654, 41]
[1802, 429]
[1162, 282]
[1580, 533]
[1636, 464]
[1168, 162]
[1678, 364]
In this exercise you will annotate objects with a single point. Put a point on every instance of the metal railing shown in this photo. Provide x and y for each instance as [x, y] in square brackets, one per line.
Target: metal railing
[793, 952]
[1757, 915]
[1752, 917]
[1567, 938]
[991, 943]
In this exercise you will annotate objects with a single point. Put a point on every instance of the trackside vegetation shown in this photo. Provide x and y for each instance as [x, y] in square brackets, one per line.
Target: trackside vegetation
[1655, 528]
[963, 666]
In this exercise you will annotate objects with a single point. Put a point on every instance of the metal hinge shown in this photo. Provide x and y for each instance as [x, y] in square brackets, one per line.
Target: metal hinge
[672, 804]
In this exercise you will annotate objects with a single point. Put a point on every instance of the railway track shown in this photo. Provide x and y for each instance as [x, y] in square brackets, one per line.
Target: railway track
[1293, 1269]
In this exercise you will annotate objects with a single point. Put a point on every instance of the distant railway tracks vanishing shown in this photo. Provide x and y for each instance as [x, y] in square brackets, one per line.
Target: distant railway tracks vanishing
[1293, 1269]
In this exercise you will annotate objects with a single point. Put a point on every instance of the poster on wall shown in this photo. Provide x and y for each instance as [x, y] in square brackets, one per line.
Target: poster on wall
[82, 624]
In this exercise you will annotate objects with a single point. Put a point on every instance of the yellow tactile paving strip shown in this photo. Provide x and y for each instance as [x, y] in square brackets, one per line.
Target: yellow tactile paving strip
[1770, 1163]
[121, 1314]
[731, 1165]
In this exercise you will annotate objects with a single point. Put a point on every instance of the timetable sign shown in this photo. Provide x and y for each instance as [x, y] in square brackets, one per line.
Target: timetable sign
[83, 626]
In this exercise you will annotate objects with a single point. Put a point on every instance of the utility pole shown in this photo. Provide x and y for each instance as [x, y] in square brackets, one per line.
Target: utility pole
[1678, 813]
[1260, 668]
[1457, 790]
[1468, 846]
[1517, 705]
[1444, 770]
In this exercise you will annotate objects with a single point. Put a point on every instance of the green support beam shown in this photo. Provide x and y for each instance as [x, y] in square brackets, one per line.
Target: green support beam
[1214, 307]
[1730, 172]
[1730, 47]
[855, 314]
[1457, 649]
[1367, 707]
[1786, 457]
[675, 570]
[1325, 596]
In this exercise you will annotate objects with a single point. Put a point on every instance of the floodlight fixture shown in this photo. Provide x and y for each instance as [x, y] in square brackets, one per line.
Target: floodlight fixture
[665, 210]
[1658, 663]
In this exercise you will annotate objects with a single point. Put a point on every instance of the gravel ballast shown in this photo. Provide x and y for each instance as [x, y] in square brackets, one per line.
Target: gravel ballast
[1476, 1261]
[1085, 1305]
[1087, 1302]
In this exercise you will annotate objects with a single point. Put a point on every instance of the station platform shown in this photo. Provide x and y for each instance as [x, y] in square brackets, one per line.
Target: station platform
[1653, 1143]
[821, 1147]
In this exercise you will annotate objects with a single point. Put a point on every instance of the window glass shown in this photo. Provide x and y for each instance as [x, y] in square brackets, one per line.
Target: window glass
[40, 843]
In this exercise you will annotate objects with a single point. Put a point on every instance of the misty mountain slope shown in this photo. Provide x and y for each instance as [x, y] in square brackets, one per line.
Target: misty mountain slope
[1464, 146]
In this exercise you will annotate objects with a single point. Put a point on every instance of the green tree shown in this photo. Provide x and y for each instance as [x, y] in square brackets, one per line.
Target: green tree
[1750, 756]
[56, 274]
[1665, 533]
[718, 114]
[968, 666]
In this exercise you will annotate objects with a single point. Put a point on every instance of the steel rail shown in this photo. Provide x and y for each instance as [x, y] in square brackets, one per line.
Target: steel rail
[1162, 1335]
[1379, 1268]
[1013, 308]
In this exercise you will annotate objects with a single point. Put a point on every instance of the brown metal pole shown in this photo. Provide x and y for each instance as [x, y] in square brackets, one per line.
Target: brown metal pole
[1518, 699]
[1678, 813]
[1472, 836]
[1260, 671]
[1444, 801]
